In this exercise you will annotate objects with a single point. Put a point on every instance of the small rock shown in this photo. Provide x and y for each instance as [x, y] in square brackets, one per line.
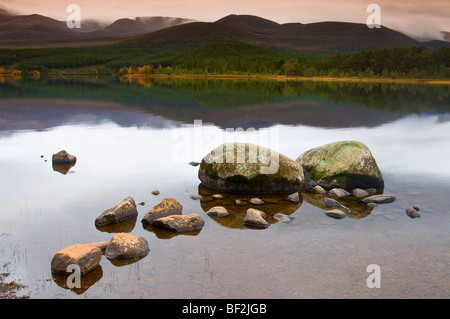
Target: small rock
[283, 218]
[411, 212]
[380, 199]
[295, 197]
[371, 190]
[256, 201]
[167, 207]
[123, 246]
[335, 213]
[330, 203]
[338, 192]
[358, 192]
[255, 218]
[372, 204]
[319, 190]
[155, 192]
[217, 211]
[125, 209]
[217, 196]
[62, 157]
[241, 202]
[86, 256]
[180, 223]
[101, 245]
[194, 164]
[195, 196]
[416, 208]
[141, 203]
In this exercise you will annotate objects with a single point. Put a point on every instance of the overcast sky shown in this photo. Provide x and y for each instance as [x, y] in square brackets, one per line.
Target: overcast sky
[413, 17]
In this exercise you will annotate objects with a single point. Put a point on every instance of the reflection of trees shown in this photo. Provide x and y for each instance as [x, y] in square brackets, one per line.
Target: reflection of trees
[145, 91]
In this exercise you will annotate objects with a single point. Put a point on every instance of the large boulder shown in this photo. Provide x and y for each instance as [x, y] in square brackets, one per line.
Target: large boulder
[346, 164]
[250, 169]
[124, 246]
[86, 256]
[125, 209]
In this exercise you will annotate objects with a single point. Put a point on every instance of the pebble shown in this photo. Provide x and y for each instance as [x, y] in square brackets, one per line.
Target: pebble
[283, 218]
[338, 192]
[319, 190]
[256, 201]
[358, 192]
[330, 203]
[217, 196]
[411, 212]
[295, 197]
[335, 213]
[195, 196]
[218, 211]
[194, 163]
[155, 192]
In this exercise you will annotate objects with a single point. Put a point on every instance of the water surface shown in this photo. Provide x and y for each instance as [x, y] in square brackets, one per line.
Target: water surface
[131, 137]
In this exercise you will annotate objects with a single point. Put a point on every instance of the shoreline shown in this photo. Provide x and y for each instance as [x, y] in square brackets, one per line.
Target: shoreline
[280, 78]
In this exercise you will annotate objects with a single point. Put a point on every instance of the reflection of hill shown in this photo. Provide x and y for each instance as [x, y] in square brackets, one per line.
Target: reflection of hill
[226, 103]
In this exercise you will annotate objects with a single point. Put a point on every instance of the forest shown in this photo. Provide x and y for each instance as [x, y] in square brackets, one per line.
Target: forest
[230, 59]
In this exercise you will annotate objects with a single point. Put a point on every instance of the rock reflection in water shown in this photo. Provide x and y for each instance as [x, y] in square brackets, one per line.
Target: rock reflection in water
[163, 233]
[63, 168]
[125, 226]
[273, 204]
[86, 281]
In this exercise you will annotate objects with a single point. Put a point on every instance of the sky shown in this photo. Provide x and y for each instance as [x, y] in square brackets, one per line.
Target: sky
[413, 17]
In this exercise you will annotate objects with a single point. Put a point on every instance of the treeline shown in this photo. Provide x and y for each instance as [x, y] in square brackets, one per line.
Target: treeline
[231, 58]
[415, 62]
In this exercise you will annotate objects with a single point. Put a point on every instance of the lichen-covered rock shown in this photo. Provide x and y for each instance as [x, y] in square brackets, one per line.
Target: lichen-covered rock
[125, 209]
[250, 169]
[180, 223]
[62, 157]
[346, 164]
[167, 207]
[124, 246]
[86, 256]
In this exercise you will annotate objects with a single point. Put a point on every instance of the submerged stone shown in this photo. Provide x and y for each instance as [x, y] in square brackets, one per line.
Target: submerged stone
[413, 213]
[250, 169]
[346, 164]
[217, 211]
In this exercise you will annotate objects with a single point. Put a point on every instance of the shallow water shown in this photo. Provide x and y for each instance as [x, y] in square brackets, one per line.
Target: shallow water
[131, 138]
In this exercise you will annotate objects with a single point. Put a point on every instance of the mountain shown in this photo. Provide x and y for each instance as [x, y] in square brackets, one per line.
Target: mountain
[141, 25]
[247, 22]
[168, 32]
[39, 31]
[323, 36]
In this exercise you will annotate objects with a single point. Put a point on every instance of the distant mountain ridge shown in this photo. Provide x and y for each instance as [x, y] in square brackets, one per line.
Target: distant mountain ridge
[169, 32]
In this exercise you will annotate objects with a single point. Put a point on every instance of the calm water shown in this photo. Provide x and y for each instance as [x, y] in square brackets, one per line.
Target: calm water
[132, 137]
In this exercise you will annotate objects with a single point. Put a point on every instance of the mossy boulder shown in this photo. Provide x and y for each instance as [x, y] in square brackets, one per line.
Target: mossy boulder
[250, 169]
[346, 164]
